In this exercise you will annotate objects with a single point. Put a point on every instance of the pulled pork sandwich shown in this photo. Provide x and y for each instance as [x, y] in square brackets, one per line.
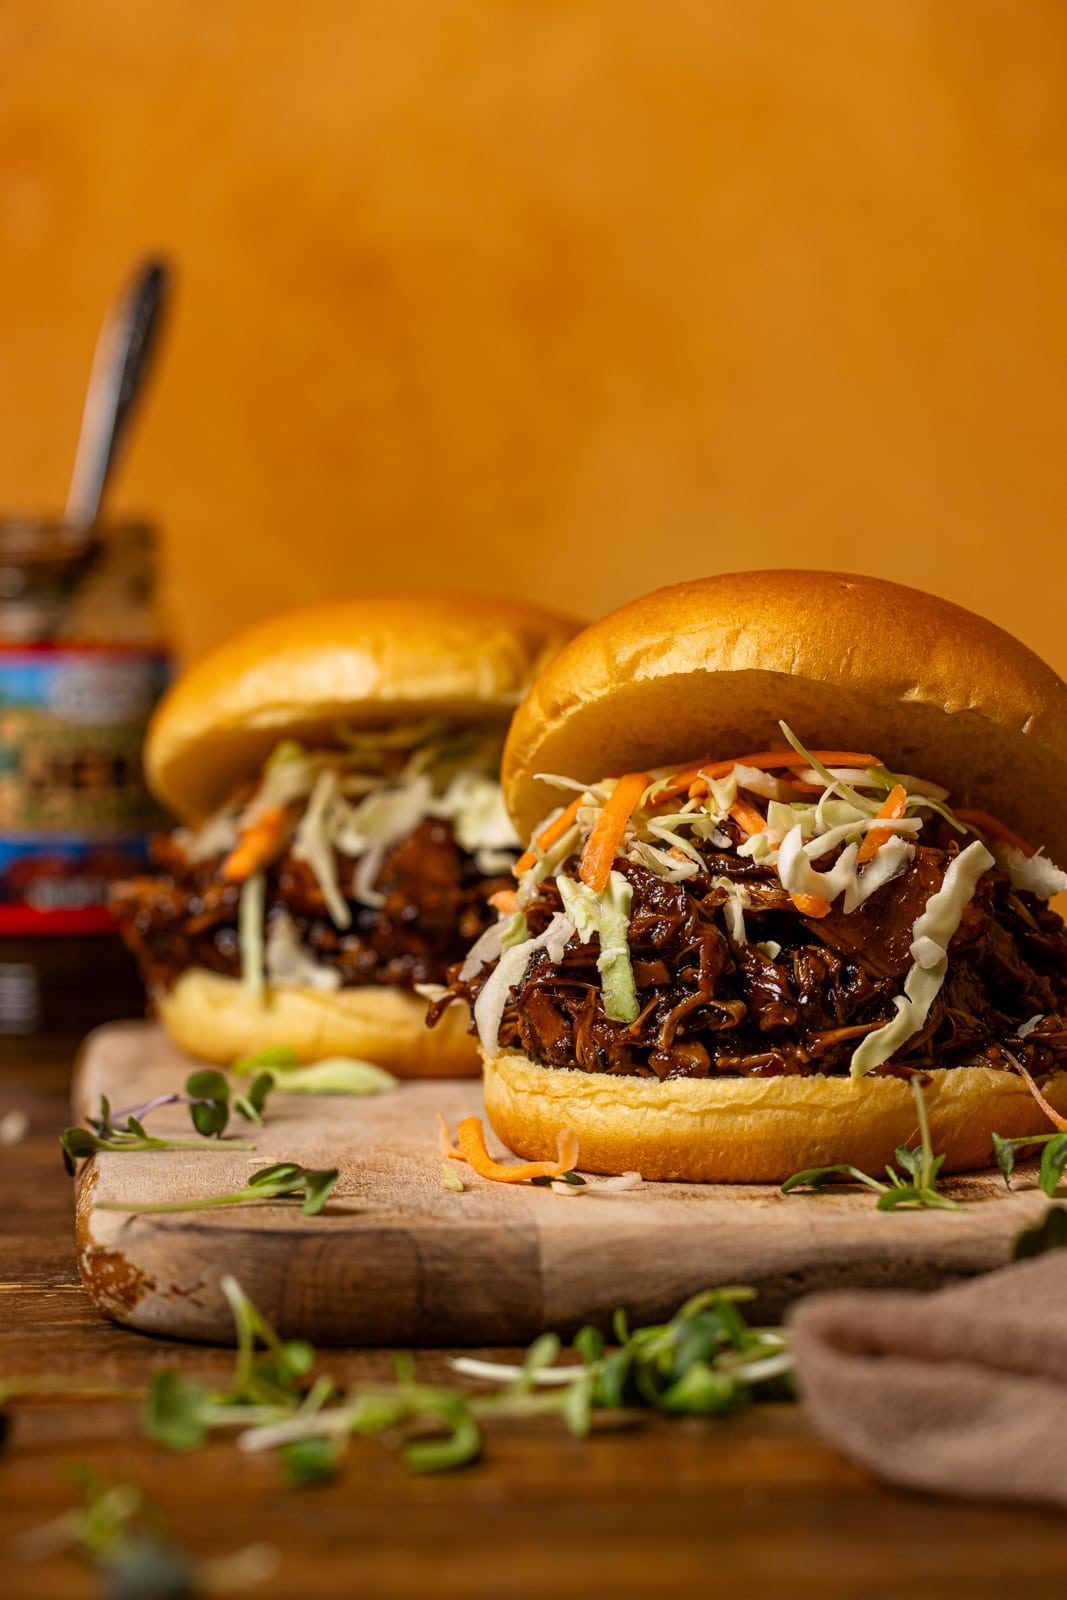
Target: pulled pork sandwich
[336, 770]
[805, 880]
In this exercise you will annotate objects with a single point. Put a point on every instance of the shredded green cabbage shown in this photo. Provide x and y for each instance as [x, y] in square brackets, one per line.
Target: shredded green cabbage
[608, 916]
[289, 963]
[313, 843]
[334, 1075]
[931, 935]
[474, 804]
[869, 807]
[546, 864]
[737, 903]
[515, 932]
[509, 970]
[250, 914]
[1036, 874]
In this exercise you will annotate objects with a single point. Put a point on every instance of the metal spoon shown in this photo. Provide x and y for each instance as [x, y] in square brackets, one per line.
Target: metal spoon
[120, 362]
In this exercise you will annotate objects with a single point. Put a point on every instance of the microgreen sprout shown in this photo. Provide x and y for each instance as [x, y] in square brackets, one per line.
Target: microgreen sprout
[917, 1163]
[280, 1181]
[1053, 1148]
[123, 1535]
[209, 1098]
[80, 1143]
[705, 1361]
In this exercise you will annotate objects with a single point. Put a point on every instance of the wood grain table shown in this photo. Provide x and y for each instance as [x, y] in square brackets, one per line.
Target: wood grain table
[753, 1506]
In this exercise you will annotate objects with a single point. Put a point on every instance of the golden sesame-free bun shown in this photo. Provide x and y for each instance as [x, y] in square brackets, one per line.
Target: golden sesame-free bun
[365, 662]
[708, 668]
[217, 1019]
[753, 1130]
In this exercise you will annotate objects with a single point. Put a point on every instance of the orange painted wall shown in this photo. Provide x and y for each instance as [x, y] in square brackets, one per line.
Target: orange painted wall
[568, 296]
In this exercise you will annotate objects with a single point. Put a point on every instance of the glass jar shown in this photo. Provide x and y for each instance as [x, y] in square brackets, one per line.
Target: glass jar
[82, 663]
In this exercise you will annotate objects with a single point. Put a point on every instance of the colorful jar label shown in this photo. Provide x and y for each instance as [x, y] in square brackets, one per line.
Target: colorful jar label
[74, 810]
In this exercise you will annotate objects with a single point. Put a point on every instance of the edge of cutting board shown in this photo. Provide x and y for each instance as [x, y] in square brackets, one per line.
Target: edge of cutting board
[398, 1260]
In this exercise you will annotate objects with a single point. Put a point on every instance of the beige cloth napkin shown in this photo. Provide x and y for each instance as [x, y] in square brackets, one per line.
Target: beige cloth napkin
[963, 1392]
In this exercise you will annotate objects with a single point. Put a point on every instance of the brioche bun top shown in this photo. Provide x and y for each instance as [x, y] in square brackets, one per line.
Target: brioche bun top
[364, 662]
[708, 668]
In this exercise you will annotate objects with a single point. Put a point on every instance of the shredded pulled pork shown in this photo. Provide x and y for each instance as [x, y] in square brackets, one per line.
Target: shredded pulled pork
[709, 1003]
[434, 904]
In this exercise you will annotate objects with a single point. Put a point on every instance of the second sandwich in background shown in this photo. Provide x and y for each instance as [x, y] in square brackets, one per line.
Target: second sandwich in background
[335, 770]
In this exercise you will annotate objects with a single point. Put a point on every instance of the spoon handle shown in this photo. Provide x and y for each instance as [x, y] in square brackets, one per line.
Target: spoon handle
[120, 362]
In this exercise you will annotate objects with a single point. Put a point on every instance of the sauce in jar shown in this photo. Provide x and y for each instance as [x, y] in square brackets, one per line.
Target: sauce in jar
[82, 663]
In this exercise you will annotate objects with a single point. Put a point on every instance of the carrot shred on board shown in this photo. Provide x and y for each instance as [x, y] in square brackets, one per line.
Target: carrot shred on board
[1050, 1111]
[748, 819]
[549, 835]
[894, 807]
[257, 844]
[763, 759]
[810, 905]
[995, 829]
[470, 1136]
[505, 901]
[607, 835]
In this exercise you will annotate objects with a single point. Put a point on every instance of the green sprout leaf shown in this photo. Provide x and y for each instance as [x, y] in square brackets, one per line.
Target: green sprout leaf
[1004, 1155]
[1053, 1161]
[318, 1187]
[80, 1143]
[705, 1361]
[1053, 1147]
[462, 1442]
[281, 1181]
[307, 1461]
[701, 1392]
[252, 1105]
[918, 1162]
[207, 1084]
[820, 1177]
[915, 1197]
[210, 1105]
[589, 1344]
[175, 1412]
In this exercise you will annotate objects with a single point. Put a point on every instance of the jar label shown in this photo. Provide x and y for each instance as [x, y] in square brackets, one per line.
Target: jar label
[74, 809]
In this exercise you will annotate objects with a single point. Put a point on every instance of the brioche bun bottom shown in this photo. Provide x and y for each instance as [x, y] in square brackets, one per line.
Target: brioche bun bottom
[748, 1130]
[217, 1019]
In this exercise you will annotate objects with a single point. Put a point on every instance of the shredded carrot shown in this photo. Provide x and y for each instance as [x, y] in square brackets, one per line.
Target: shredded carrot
[256, 846]
[549, 835]
[470, 1135]
[505, 901]
[1051, 1113]
[810, 905]
[748, 819]
[894, 807]
[995, 829]
[763, 760]
[604, 841]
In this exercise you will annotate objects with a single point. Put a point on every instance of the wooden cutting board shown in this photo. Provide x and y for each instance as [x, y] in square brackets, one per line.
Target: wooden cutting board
[397, 1259]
